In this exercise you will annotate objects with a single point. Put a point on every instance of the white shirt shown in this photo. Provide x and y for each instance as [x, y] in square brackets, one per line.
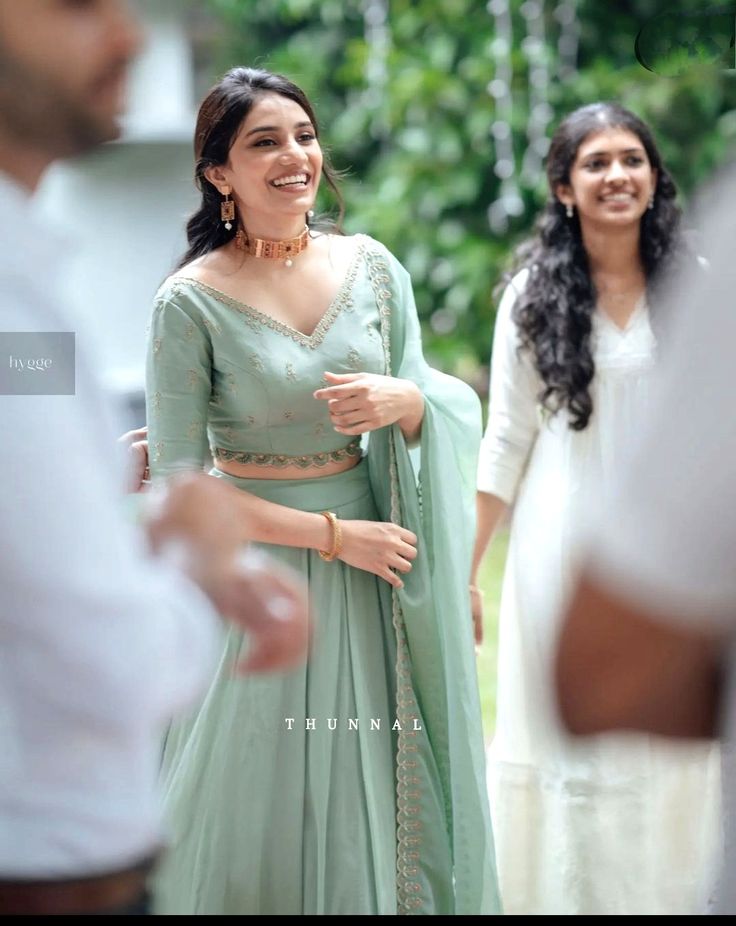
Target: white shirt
[99, 646]
[667, 540]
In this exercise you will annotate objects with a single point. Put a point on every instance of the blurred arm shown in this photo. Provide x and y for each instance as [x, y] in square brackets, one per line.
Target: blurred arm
[654, 616]
[622, 667]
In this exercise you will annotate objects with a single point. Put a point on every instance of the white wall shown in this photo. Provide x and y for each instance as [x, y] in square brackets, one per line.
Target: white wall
[123, 207]
[123, 212]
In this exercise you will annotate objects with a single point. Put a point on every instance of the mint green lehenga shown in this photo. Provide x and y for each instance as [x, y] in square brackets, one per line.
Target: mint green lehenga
[265, 815]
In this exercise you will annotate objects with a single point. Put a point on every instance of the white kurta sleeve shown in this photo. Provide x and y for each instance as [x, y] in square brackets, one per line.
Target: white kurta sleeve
[512, 414]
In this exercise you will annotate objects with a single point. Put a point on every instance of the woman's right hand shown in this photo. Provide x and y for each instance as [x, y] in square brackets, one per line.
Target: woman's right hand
[378, 547]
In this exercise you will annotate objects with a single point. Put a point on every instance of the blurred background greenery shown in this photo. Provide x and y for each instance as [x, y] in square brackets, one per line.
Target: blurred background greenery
[441, 112]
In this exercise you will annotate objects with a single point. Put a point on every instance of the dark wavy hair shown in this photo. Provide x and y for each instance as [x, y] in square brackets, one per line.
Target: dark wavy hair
[218, 122]
[553, 313]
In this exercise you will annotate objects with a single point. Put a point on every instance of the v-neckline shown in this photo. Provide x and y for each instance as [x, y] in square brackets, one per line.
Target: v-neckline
[327, 319]
[640, 306]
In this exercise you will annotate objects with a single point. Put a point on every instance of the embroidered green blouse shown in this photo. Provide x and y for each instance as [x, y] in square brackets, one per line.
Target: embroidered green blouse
[224, 373]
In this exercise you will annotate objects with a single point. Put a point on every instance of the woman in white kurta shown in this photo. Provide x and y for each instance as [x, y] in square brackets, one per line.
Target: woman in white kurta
[615, 825]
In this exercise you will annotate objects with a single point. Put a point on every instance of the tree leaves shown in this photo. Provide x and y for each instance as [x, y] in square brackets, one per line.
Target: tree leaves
[407, 110]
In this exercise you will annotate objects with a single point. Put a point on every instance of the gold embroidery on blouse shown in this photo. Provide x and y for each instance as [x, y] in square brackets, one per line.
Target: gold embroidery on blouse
[408, 794]
[319, 429]
[156, 402]
[194, 430]
[342, 302]
[189, 331]
[156, 345]
[192, 377]
[256, 362]
[230, 435]
[232, 383]
[289, 416]
[354, 359]
[378, 272]
[211, 326]
[279, 459]
[158, 449]
[252, 323]
[290, 373]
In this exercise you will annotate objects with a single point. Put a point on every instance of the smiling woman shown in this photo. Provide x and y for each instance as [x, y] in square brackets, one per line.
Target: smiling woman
[626, 825]
[281, 134]
[295, 353]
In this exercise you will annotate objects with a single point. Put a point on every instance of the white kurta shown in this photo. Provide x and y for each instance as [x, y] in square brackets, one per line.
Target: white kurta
[620, 824]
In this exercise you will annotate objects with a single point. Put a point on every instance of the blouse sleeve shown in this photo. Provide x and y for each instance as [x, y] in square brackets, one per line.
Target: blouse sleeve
[178, 388]
[512, 415]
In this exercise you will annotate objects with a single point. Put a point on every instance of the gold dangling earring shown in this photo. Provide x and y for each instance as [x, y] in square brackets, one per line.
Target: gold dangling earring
[227, 210]
[569, 211]
[650, 204]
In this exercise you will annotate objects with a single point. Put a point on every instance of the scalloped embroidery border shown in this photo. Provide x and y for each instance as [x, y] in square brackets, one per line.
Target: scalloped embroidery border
[408, 793]
[304, 461]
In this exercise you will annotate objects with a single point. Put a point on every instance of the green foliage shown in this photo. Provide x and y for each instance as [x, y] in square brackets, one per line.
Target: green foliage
[412, 126]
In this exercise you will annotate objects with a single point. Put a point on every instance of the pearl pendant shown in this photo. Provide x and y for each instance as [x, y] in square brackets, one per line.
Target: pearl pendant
[288, 262]
[228, 225]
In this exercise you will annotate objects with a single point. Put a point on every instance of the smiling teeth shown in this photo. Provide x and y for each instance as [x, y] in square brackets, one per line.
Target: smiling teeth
[296, 178]
[618, 197]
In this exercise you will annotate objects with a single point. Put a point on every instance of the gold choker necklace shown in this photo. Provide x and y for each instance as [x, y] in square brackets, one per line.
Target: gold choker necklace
[272, 250]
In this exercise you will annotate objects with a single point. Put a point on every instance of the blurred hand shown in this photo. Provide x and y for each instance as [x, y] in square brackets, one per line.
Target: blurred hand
[138, 458]
[191, 521]
[378, 547]
[476, 609]
[270, 602]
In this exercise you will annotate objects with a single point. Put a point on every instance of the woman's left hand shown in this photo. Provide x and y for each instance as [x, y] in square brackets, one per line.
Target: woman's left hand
[360, 402]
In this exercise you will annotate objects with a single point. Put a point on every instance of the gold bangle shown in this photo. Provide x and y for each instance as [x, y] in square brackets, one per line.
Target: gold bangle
[336, 545]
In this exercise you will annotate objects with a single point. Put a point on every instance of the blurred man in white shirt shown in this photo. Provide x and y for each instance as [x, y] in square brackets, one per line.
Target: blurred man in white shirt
[650, 635]
[101, 642]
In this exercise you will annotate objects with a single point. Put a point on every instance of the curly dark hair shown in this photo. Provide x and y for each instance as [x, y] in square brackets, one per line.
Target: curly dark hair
[553, 313]
[218, 122]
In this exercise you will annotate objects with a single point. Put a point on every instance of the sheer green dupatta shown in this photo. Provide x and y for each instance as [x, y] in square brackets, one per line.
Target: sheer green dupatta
[446, 861]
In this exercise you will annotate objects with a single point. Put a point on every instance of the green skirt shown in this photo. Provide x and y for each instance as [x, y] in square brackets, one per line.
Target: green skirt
[275, 803]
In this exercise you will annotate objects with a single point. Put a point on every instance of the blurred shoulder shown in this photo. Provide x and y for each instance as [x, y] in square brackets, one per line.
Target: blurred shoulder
[514, 288]
[517, 284]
